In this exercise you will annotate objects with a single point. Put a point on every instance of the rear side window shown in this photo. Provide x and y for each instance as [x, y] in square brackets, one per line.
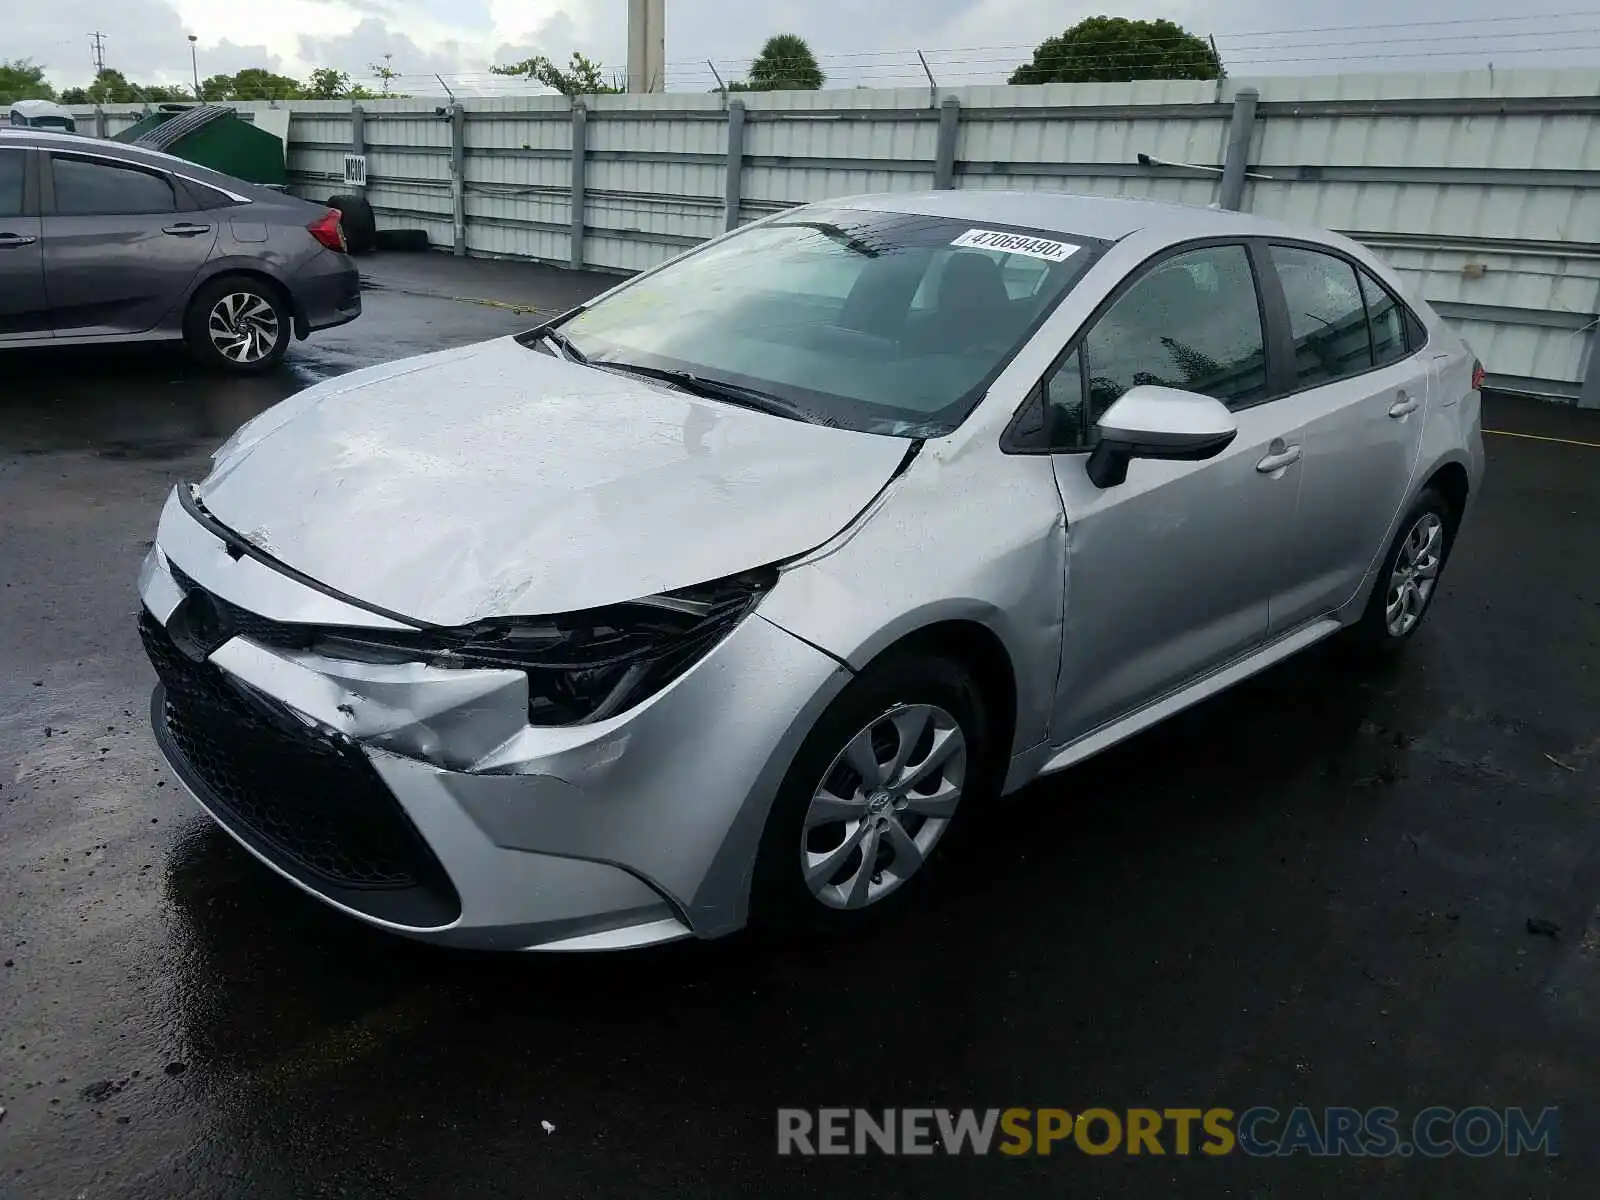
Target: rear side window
[12, 164]
[90, 188]
[1387, 321]
[1327, 316]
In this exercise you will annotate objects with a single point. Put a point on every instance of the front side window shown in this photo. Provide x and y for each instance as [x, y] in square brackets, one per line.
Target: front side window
[887, 323]
[1327, 316]
[13, 164]
[90, 188]
[1191, 322]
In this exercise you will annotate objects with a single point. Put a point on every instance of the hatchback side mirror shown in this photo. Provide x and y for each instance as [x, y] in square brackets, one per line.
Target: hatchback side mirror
[1158, 422]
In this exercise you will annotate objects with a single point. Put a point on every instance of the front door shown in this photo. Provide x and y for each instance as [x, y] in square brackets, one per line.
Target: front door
[1171, 573]
[23, 311]
[1362, 395]
[121, 245]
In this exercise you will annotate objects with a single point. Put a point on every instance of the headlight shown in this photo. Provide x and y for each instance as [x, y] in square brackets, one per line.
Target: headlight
[582, 666]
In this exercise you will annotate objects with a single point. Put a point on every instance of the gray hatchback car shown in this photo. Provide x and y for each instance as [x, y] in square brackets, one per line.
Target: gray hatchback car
[102, 242]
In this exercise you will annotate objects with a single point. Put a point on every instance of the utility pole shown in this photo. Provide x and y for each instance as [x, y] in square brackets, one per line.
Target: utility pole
[99, 40]
[647, 46]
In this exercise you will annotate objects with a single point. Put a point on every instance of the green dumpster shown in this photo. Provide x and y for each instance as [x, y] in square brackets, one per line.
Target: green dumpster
[212, 136]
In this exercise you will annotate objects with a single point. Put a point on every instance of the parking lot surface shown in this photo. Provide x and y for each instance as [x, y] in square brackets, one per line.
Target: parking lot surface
[1313, 890]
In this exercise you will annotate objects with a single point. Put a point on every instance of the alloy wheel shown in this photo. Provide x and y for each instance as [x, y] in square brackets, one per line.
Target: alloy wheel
[243, 327]
[1416, 571]
[884, 802]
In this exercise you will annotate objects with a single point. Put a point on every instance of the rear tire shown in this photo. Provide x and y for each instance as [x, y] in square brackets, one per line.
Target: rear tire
[921, 713]
[357, 219]
[1408, 577]
[238, 324]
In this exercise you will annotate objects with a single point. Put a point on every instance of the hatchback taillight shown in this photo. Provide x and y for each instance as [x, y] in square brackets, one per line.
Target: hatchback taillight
[1477, 376]
[327, 230]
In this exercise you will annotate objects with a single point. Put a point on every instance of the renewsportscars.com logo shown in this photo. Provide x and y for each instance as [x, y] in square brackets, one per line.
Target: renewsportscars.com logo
[1262, 1132]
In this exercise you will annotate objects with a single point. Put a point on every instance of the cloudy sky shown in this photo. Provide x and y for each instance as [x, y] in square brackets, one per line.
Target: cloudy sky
[857, 41]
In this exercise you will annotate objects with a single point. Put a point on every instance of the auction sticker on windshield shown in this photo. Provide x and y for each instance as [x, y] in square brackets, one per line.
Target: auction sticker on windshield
[1016, 243]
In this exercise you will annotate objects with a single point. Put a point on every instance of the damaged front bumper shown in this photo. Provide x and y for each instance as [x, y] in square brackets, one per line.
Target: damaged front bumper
[421, 800]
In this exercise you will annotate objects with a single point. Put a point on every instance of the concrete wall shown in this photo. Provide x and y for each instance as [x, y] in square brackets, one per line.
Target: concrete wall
[1482, 188]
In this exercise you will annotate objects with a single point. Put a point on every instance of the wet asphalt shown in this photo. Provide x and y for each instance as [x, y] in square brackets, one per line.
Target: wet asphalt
[1313, 890]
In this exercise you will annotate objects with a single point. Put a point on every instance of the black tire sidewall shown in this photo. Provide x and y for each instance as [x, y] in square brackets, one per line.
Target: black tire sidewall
[199, 339]
[358, 220]
[779, 896]
[1374, 626]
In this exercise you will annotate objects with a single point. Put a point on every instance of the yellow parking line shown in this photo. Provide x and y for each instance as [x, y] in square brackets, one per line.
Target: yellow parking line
[1534, 437]
[516, 308]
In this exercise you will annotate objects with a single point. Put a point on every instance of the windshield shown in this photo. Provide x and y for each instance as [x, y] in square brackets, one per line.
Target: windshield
[881, 322]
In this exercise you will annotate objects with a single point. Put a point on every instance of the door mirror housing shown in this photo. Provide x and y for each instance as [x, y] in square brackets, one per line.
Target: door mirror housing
[1158, 422]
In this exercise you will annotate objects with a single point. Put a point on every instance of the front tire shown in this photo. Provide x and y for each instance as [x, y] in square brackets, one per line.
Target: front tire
[872, 794]
[239, 325]
[1408, 578]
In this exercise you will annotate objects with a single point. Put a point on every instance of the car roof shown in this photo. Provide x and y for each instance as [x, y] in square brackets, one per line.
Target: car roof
[47, 139]
[1108, 218]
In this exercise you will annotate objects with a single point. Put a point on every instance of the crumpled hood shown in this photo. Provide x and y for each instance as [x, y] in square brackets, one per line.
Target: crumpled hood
[496, 480]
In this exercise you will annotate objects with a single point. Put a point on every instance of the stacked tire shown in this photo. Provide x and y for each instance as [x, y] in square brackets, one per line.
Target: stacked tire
[360, 226]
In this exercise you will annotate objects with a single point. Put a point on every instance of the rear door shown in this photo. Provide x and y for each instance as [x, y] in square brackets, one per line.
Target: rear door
[23, 311]
[122, 241]
[1362, 392]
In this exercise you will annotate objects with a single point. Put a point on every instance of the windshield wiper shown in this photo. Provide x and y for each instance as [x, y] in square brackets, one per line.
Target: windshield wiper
[717, 389]
[563, 343]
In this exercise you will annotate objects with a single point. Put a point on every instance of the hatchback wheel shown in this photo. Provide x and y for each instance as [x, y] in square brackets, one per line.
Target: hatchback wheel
[872, 793]
[238, 324]
[1409, 574]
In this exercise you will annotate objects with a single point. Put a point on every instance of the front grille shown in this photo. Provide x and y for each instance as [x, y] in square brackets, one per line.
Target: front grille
[308, 799]
[239, 622]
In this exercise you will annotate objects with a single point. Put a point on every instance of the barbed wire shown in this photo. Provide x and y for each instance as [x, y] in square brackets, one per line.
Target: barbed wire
[1426, 39]
[1010, 51]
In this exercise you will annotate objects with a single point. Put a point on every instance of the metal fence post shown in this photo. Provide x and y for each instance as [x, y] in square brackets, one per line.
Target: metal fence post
[733, 197]
[99, 121]
[944, 158]
[1231, 194]
[358, 138]
[580, 149]
[458, 176]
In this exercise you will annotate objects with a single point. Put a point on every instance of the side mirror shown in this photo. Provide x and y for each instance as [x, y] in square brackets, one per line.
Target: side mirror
[1158, 422]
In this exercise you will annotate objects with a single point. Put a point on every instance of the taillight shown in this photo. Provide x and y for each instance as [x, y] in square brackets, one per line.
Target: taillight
[1477, 376]
[327, 230]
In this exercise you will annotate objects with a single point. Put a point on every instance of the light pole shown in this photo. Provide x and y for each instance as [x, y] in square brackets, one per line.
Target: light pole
[194, 63]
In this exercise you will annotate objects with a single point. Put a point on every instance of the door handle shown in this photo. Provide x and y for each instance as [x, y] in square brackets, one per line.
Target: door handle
[1403, 406]
[16, 239]
[184, 229]
[1278, 457]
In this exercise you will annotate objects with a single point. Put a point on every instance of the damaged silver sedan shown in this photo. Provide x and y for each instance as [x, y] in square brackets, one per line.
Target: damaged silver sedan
[726, 595]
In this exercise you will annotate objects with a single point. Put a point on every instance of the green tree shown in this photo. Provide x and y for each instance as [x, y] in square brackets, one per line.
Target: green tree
[326, 83]
[217, 87]
[1115, 49]
[784, 64]
[75, 96]
[23, 79]
[111, 86]
[161, 93]
[581, 76]
[384, 72]
[257, 83]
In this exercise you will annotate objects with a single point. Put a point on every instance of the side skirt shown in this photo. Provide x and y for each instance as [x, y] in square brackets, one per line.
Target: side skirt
[1175, 702]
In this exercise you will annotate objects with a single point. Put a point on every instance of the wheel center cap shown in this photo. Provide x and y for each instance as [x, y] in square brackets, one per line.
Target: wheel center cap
[880, 801]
